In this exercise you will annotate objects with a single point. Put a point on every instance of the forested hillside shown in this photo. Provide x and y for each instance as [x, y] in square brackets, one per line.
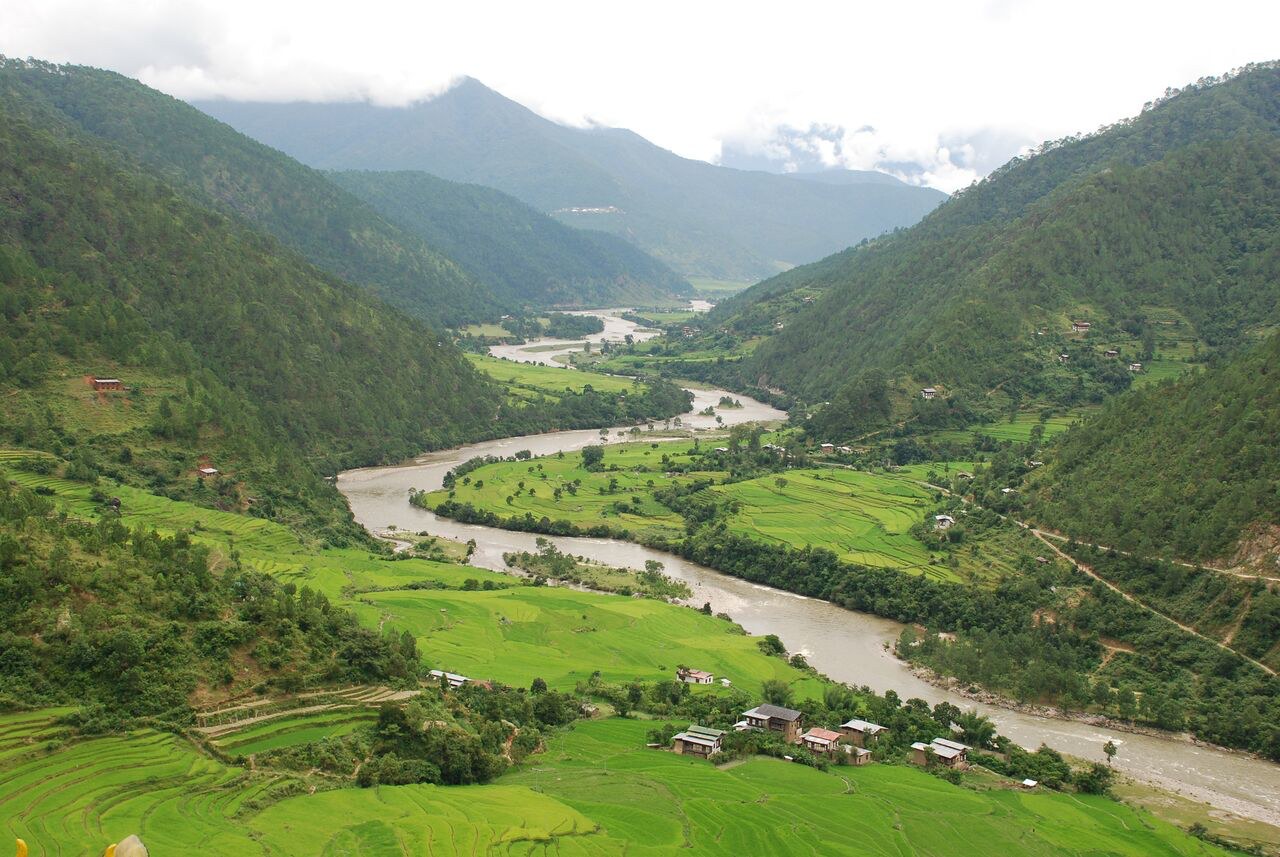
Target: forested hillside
[522, 255]
[1166, 223]
[702, 220]
[330, 227]
[1197, 459]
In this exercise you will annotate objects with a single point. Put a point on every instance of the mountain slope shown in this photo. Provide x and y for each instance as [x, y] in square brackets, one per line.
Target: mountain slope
[1196, 459]
[299, 206]
[1170, 218]
[522, 255]
[228, 342]
[702, 220]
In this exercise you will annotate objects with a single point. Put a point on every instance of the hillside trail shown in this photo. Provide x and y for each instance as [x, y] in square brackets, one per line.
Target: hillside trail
[1047, 538]
[1234, 572]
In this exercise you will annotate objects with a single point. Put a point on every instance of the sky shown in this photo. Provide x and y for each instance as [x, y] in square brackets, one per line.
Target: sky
[937, 93]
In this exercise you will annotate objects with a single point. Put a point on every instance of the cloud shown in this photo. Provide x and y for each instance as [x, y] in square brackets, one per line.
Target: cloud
[935, 90]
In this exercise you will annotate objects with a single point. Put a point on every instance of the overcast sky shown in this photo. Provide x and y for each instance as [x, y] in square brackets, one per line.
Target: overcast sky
[937, 92]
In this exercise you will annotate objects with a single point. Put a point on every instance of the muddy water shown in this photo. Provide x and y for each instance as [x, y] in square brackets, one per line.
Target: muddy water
[848, 646]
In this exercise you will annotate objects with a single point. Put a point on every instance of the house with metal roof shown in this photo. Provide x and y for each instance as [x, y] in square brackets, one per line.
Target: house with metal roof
[697, 741]
[819, 740]
[860, 733]
[773, 718]
[941, 751]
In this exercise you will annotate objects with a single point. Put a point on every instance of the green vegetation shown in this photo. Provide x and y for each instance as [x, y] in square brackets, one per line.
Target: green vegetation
[523, 255]
[1197, 459]
[702, 220]
[1163, 218]
[596, 791]
[216, 167]
[548, 563]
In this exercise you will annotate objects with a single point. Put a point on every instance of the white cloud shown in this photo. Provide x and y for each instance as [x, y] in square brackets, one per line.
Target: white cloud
[952, 88]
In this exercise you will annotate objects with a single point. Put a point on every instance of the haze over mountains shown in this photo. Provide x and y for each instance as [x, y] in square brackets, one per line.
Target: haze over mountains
[702, 220]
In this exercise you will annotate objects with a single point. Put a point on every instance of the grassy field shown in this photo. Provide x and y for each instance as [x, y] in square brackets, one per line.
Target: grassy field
[864, 517]
[1017, 430]
[595, 791]
[549, 380]
[490, 329]
[717, 289]
[293, 731]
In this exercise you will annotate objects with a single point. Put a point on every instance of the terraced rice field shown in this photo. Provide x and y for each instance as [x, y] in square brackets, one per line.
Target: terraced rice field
[595, 791]
[294, 731]
[1018, 431]
[863, 517]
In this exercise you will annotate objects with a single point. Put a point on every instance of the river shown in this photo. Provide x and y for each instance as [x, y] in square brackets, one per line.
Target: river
[847, 646]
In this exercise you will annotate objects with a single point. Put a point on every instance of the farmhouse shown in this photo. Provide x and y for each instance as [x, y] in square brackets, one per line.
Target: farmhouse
[828, 447]
[942, 751]
[860, 733]
[724, 682]
[206, 472]
[928, 393]
[722, 449]
[1029, 784]
[697, 741]
[1081, 326]
[1064, 357]
[858, 755]
[691, 676]
[845, 450]
[772, 718]
[1111, 352]
[777, 325]
[451, 679]
[108, 384]
[1135, 367]
[943, 522]
[819, 740]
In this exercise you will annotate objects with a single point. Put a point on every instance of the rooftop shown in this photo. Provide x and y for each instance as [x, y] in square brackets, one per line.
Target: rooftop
[773, 712]
[822, 734]
[863, 726]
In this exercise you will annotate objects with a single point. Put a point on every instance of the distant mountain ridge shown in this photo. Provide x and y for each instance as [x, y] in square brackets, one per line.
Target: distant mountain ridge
[522, 255]
[702, 220]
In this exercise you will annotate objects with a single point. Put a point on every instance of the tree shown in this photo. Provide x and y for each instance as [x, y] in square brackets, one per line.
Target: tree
[539, 685]
[776, 691]
[592, 456]
[1110, 749]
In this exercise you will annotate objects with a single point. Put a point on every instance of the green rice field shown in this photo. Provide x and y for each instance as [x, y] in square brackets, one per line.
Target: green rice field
[550, 380]
[595, 791]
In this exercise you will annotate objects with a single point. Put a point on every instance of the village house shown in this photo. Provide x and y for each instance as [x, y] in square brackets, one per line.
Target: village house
[1135, 367]
[1081, 326]
[942, 751]
[697, 741]
[207, 472]
[858, 755]
[1064, 357]
[1111, 352]
[777, 325]
[692, 676]
[101, 384]
[722, 449]
[1008, 490]
[819, 740]
[772, 718]
[828, 447]
[943, 522]
[451, 679]
[1030, 783]
[845, 450]
[724, 682]
[928, 393]
[861, 733]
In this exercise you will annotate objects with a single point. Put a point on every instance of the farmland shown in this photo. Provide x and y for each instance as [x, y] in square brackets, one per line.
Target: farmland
[864, 517]
[547, 379]
[595, 791]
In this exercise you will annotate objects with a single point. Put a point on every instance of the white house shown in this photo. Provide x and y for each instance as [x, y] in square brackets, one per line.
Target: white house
[691, 676]
[928, 393]
[942, 522]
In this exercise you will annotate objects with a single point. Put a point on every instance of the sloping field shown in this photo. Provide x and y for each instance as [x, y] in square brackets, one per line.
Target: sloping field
[596, 791]
[549, 379]
[563, 635]
[864, 517]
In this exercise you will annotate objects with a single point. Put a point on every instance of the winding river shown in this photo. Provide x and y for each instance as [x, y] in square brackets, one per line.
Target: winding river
[845, 645]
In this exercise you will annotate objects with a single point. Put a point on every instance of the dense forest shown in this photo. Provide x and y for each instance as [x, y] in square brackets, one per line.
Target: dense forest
[1197, 459]
[1169, 218]
[526, 257]
[218, 167]
[128, 624]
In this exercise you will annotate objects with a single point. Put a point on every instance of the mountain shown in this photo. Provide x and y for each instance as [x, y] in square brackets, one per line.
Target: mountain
[221, 168]
[231, 346]
[702, 220]
[1196, 459]
[1162, 232]
[520, 254]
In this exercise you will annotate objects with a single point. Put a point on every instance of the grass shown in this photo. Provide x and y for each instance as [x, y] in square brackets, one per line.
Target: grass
[490, 329]
[717, 289]
[595, 791]
[547, 379]
[293, 731]
[863, 517]
[1017, 430]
